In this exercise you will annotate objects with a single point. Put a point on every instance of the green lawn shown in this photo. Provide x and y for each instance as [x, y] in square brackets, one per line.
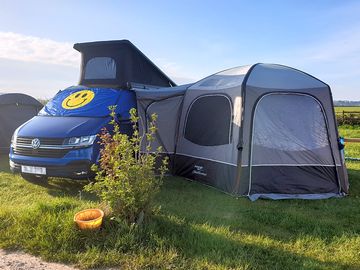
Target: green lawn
[196, 227]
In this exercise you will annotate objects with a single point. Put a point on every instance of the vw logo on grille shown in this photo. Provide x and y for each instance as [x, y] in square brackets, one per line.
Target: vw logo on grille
[35, 143]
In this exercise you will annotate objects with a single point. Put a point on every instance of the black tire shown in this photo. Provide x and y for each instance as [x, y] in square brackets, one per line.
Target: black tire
[34, 178]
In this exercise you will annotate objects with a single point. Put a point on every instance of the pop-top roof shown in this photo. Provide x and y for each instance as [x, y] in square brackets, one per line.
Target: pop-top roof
[117, 63]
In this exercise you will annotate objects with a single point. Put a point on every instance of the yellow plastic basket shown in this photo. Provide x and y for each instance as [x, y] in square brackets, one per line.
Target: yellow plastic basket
[89, 219]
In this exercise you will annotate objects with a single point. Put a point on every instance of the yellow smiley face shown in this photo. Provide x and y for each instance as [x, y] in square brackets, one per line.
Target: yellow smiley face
[78, 99]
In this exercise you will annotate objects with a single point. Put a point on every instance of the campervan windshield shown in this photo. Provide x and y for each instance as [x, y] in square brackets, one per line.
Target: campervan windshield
[80, 101]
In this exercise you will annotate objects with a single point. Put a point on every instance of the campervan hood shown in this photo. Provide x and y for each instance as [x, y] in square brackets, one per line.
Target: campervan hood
[62, 127]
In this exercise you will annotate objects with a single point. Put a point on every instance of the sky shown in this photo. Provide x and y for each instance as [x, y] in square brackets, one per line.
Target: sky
[187, 39]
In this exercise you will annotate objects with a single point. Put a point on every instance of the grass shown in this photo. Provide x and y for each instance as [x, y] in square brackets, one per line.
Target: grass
[351, 149]
[196, 228]
[4, 163]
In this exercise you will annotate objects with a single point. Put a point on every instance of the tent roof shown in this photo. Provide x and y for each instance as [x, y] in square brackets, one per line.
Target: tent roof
[272, 76]
[18, 98]
[224, 79]
[276, 76]
[131, 64]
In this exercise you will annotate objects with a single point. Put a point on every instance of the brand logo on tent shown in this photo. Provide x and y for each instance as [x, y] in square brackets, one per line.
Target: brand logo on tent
[35, 143]
[199, 170]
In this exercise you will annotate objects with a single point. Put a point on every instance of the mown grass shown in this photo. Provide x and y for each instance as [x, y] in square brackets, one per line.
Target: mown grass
[196, 228]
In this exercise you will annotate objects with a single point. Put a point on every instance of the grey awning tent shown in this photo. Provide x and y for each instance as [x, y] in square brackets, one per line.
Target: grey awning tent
[167, 104]
[15, 109]
[262, 131]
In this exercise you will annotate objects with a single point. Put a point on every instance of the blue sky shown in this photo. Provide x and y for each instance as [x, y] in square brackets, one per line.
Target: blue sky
[187, 39]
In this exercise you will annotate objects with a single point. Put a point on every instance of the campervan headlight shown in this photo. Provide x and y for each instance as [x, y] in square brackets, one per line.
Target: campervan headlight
[80, 141]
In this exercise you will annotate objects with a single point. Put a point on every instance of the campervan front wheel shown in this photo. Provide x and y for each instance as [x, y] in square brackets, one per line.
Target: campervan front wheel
[34, 178]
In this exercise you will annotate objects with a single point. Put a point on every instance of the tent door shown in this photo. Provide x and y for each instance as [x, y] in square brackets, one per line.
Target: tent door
[290, 150]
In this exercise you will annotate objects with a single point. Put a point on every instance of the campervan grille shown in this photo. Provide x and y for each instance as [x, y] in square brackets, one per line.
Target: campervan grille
[23, 148]
[51, 153]
[44, 141]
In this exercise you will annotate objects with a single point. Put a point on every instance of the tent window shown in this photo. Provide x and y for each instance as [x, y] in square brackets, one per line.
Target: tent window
[209, 120]
[100, 68]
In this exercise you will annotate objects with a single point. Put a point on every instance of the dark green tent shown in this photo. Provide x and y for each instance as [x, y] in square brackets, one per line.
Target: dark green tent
[15, 109]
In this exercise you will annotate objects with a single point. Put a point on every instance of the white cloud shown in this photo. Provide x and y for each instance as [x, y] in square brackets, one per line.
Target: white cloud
[45, 65]
[40, 66]
[36, 79]
[175, 71]
[20, 47]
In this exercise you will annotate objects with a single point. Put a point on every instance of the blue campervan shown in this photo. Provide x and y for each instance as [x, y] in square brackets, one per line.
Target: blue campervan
[61, 140]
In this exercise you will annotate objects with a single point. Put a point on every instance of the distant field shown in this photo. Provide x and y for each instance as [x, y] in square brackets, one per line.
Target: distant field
[347, 108]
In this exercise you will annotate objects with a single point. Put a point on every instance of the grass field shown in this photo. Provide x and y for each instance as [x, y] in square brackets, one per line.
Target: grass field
[347, 108]
[196, 227]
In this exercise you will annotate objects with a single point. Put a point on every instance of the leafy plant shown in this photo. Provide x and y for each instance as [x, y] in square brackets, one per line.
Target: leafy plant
[352, 119]
[126, 177]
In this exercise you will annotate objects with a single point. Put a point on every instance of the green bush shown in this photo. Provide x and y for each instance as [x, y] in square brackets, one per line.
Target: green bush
[348, 119]
[126, 179]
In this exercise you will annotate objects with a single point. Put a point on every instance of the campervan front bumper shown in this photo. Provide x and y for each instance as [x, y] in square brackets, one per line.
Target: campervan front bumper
[71, 163]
